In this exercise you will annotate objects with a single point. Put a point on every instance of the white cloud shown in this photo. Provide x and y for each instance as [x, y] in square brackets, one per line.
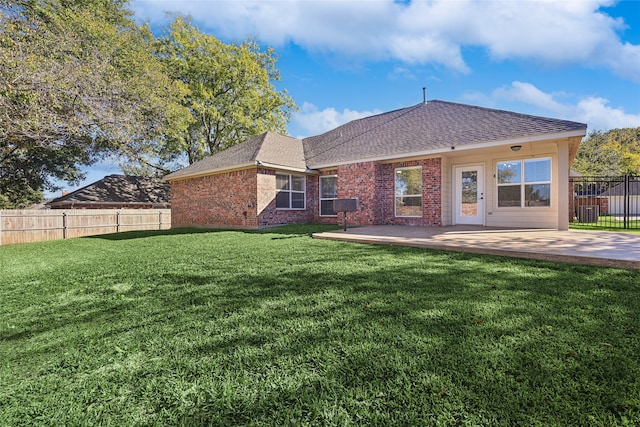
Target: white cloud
[595, 112]
[423, 31]
[599, 115]
[529, 94]
[312, 121]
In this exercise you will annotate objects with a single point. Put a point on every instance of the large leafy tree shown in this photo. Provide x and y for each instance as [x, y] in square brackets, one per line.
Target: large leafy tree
[594, 158]
[626, 142]
[230, 89]
[612, 153]
[78, 80]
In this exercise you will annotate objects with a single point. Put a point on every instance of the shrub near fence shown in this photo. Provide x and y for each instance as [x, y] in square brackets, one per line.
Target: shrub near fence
[25, 226]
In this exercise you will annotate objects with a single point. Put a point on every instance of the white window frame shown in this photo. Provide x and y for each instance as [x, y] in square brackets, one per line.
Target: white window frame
[291, 192]
[523, 183]
[396, 196]
[321, 199]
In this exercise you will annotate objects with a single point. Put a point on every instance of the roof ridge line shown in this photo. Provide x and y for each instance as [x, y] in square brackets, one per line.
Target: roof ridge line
[262, 139]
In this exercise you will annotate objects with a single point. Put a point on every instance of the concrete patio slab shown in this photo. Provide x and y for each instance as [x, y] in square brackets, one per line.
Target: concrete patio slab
[609, 249]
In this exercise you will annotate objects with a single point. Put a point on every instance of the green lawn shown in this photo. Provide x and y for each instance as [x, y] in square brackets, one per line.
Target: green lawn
[609, 223]
[189, 327]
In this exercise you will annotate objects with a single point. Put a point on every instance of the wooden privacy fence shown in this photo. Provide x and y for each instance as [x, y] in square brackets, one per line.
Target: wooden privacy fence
[25, 226]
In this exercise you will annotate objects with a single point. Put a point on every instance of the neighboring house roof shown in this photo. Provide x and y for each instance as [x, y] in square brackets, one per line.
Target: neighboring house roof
[119, 189]
[618, 190]
[38, 206]
[423, 129]
[269, 149]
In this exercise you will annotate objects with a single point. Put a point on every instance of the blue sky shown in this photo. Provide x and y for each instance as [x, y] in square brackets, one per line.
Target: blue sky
[341, 60]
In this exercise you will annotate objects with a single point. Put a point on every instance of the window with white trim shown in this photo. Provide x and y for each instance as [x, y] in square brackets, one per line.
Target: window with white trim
[290, 191]
[524, 183]
[408, 191]
[328, 193]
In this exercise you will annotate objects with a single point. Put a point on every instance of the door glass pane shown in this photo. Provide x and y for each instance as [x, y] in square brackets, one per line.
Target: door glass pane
[469, 194]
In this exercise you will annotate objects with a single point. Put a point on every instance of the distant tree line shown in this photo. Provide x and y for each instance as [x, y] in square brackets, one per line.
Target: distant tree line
[80, 81]
[612, 153]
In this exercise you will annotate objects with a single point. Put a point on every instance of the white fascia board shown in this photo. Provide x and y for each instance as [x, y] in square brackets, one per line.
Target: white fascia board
[287, 168]
[238, 167]
[442, 150]
[205, 172]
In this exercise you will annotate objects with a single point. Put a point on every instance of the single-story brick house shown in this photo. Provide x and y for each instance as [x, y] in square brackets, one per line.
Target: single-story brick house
[117, 192]
[436, 163]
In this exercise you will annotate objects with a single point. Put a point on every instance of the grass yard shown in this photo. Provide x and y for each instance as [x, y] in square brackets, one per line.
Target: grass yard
[189, 327]
[609, 223]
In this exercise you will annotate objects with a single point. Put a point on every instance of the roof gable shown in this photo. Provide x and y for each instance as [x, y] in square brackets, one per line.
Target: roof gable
[268, 148]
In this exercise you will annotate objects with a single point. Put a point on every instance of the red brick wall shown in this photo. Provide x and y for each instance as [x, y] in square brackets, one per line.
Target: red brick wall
[225, 199]
[374, 185]
[246, 198]
[361, 181]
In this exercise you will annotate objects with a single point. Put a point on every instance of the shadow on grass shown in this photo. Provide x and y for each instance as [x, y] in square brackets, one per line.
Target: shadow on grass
[520, 350]
[289, 230]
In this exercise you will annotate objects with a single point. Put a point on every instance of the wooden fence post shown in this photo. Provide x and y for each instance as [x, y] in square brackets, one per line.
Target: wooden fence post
[0, 228]
[117, 221]
[160, 220]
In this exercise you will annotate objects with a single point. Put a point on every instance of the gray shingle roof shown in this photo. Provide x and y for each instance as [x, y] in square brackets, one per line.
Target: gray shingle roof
[409, 131]
[120, 189]
[619, 190]
[425, 127]
[270, 148]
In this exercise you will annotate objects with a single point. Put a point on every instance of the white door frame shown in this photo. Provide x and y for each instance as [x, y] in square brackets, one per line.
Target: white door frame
[458, 218]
